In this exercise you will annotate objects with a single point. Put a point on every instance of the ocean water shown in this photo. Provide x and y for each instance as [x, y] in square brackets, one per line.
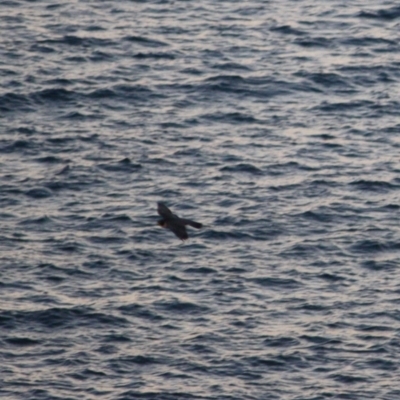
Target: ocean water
[275, 124]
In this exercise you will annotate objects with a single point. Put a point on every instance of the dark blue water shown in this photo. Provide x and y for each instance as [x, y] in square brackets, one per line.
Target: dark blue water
[275, 124]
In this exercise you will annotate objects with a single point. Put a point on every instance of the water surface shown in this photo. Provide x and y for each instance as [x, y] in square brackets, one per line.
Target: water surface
[275, 124]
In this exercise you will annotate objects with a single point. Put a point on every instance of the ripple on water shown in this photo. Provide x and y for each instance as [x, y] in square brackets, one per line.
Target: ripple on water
[280, 137]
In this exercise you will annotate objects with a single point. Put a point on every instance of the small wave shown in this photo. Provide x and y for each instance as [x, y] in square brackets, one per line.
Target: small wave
[139, 359]
[144, 41]
[36, 221]
[282, 341]
[305, 306]
[162, 394]
[221, 235]
[59, 318]
[349, 379]
[331, 277]
[12, 102]
[22, 341]
[182, 307]
[379, 265]
[69, 246]
[39, 193]
[226, 79]
[117, 338]
[106, 240]
[100, 56]
[242, 168]
[231, 66]
[314, 42]
[287, 30]
[375, 246]
[156, 56]
[73, 40]
[64, 170]
[344, 106]
[124, 165]
[120, 218]
[320, 340]
[26, 130]
[385, 14]
[235, 117]
[123, 92]
[369, 246]
[102, 94]
[302, 249]
[200, 270]
[54, 95]
[59, 82]
[368, 41]
[373, 186]
[276, 282]
[318, 216]
[20, 146]
[282, 169]
[269, 363]
[60, 140]
[139, 311]
[50, 160]
[37, 48]
[255, 87]
[381, 364]
[329, 80]
[376, 328]
[76, 59]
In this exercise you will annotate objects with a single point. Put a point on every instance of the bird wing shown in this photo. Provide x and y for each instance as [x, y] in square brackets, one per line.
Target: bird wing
[194, 224]
[179, 230]
[163, 210]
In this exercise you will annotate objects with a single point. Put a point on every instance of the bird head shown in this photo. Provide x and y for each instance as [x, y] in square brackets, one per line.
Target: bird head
[162, 223]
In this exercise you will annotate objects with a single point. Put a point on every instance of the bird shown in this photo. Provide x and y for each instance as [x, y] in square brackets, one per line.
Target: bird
[174, 223]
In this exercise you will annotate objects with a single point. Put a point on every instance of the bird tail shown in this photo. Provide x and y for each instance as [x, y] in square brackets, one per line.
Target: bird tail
[196, 225]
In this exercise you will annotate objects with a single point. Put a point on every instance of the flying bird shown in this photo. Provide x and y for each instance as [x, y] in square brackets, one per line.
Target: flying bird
[174, 223]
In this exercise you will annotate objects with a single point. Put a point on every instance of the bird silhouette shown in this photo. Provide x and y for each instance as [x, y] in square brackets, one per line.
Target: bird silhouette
[174, 223]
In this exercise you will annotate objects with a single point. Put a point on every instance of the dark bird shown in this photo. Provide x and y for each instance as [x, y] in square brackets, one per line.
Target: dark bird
[174, 223]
